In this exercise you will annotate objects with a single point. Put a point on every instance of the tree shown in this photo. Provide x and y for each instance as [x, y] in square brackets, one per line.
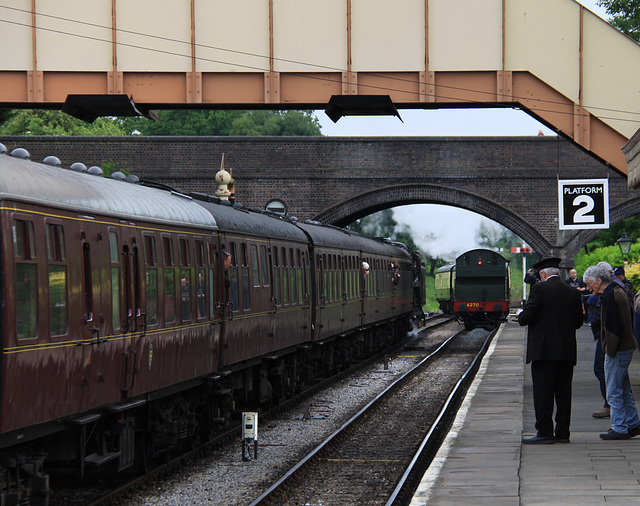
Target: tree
[611, 235]
[180, 122]
[380, 224]
[44, 122]
[184, 122]
[625, 15]
[498, 238]
[242, 123]
[276, 123]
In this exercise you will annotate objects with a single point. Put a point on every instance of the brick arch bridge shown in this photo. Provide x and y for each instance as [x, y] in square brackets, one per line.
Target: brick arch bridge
[511, 180]
[364, 204]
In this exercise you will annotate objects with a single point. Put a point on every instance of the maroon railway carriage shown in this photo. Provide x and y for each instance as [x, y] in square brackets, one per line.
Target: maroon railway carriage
[93, 310]
[120, 342]
[344, 297]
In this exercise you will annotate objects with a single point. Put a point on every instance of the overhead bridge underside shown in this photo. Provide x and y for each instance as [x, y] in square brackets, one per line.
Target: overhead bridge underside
[553, 59]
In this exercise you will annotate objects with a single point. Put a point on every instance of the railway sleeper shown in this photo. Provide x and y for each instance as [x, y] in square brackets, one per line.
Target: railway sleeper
[23, 480]
[146, 433]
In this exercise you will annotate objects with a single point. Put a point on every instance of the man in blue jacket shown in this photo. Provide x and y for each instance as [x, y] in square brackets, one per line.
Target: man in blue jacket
[553, 312]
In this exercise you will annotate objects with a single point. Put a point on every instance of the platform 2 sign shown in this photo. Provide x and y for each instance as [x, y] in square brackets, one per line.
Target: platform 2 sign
[583, 203]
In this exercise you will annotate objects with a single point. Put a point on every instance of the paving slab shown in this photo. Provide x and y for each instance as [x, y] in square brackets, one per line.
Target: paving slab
[483, 461]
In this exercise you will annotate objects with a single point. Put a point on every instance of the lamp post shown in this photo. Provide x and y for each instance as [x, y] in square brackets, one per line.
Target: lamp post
[624, 243]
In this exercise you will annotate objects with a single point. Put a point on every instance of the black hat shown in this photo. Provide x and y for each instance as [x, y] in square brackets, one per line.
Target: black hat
[618, 270]
[547, 262]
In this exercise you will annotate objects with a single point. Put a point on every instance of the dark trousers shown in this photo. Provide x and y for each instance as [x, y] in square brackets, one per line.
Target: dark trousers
[598, 370]
[552, 385]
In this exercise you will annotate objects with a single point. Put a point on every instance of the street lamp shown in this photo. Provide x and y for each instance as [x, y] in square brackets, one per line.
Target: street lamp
[624, 243]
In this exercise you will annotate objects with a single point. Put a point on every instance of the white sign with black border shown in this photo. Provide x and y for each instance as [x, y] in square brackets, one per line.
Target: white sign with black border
[583, 203]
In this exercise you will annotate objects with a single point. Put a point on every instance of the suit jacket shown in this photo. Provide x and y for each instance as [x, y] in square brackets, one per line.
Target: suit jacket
[553, 312]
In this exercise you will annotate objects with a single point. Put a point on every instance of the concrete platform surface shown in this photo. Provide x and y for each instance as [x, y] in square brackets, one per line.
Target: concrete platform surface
[483, 462]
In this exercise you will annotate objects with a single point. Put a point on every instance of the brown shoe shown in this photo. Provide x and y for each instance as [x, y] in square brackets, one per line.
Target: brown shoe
[602, 413]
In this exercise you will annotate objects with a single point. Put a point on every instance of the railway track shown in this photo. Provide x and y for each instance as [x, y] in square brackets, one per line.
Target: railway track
[413, 349]
[379, 455]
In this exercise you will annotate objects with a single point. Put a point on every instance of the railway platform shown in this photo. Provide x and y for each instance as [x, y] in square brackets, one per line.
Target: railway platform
[483, 461]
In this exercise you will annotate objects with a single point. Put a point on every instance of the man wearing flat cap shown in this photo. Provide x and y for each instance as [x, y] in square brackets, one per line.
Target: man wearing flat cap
[553, 312]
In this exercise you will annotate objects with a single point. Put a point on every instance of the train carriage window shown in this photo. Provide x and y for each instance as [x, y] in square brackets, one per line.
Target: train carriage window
[255, 272]
[169, 281]
[285, 277]
[199, 251]
[319, 277]
[201, 280]
[55, 243]
[58, 313]
[245, 277]
[151, 280]
[87, 284]
[292, 277]
[24, 244]
[233, 277]
[26, 301]
[340, 271]
[330, 279]
[349, 278]
[336, 278]
[26, 280]
[115, 280]
[201, 292]
[298, 279]
[276, 277]
[213, 258]
[323, 273]
[185, 281]
[265, 266]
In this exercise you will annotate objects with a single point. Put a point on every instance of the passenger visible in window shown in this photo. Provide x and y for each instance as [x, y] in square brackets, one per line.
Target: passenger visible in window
[365, 270]
[185, 297]
[226, 264]
[202, 311]
[394, 269]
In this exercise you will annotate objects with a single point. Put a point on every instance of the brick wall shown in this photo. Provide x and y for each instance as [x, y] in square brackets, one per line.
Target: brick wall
[512, 180]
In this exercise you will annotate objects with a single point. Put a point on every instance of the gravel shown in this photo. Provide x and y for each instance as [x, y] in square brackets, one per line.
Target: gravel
[224, 478]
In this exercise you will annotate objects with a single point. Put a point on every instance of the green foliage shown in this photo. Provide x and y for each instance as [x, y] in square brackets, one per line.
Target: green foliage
[625, 15]
[241, 123]
[604, 248]
[500, 239]
[431, 304]
[380, 224]
[609, 236]
[109, 168]
[276, 123]
[610, 254]
[5, 114]
[632, 273]
[181, 122]
[42, 122]
[184, 122]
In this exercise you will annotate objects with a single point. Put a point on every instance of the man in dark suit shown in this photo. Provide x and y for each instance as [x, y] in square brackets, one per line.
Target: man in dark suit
[553, 312]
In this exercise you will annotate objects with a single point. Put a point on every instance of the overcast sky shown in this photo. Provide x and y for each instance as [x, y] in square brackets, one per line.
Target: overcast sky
[453, 228]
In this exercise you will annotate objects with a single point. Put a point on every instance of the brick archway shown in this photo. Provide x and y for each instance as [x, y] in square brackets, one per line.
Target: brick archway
[392, 196]
[512, 181]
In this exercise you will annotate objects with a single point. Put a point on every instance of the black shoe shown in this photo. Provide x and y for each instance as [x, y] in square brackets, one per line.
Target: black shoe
[612, 434]
[538, 440]
[634, 431]
[563, 440]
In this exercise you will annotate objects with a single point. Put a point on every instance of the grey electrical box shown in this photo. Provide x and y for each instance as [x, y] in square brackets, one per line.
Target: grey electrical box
[250, 426]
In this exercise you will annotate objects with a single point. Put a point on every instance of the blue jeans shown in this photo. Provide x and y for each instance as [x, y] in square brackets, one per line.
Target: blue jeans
[624, 414]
